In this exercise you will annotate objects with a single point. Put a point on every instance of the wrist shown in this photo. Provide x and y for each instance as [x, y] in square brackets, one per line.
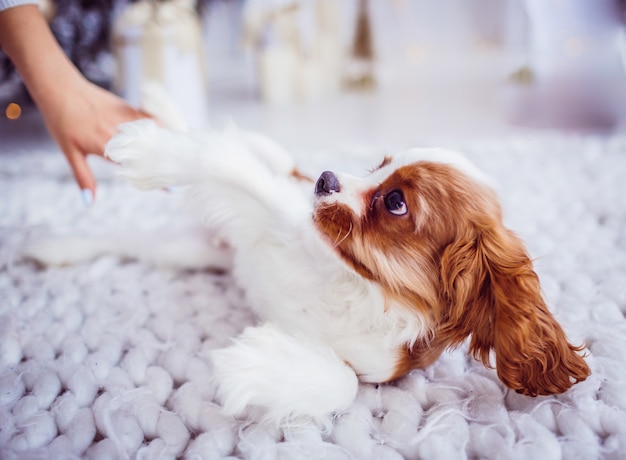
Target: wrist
[38, 58]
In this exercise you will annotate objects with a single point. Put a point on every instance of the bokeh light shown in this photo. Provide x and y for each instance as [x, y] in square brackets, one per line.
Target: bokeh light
[13, 111]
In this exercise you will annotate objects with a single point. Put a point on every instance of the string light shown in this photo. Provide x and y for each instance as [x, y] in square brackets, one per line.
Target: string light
[13, 111]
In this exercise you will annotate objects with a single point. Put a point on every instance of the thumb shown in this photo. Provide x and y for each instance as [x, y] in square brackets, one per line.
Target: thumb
[83, 175]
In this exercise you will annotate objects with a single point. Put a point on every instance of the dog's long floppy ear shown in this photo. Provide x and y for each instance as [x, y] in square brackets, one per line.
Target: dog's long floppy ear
[494, 294]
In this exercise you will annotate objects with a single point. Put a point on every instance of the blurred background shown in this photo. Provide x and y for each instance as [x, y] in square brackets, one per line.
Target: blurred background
[327, 72]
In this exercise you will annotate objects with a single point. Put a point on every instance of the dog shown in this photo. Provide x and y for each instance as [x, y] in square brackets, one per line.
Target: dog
[354, 279]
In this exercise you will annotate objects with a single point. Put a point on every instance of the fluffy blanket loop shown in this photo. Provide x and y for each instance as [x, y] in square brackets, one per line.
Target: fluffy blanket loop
[109, 359]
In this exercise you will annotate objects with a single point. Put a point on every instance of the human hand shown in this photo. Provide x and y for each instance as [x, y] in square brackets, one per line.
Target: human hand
[80, 116]
[82, 119]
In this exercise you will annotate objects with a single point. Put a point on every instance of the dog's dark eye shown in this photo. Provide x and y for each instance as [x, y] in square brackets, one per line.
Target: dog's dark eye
[394, 202]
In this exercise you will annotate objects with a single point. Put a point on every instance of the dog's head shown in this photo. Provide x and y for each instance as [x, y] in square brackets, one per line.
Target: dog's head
[426, 226]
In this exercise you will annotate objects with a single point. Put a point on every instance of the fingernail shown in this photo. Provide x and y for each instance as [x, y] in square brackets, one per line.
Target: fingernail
[87, 196]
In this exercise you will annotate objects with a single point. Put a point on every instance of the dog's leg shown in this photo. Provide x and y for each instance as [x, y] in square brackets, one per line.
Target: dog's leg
[288, 377]
[154, 157]
[232, 182]
[188, 250]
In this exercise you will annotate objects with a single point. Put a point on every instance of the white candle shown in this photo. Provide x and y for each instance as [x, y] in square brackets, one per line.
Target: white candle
[162, 42]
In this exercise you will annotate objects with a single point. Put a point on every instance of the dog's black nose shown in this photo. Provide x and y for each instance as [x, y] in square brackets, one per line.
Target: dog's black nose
[326, 184]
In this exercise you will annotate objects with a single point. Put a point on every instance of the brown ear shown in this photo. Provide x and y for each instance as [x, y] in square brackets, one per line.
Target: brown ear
[494, 294]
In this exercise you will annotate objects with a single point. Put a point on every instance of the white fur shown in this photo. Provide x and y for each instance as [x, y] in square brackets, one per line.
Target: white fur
[323, 315]
[273, 360]
[155, 100]
[191, 250]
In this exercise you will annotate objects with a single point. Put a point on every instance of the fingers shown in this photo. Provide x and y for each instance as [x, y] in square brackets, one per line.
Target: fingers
[83, 175]
[77, 154]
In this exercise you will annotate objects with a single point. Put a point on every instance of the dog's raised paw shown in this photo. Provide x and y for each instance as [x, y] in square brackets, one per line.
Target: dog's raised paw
[132, 140]
[146, 153]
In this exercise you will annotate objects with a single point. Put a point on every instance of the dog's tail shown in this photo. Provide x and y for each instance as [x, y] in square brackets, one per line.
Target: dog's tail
[288, 378]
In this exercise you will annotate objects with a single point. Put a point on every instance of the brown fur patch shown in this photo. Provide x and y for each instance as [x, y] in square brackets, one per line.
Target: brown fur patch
[296, 174]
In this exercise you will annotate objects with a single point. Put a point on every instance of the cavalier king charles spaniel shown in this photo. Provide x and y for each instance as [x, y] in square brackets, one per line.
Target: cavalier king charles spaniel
[356, 279]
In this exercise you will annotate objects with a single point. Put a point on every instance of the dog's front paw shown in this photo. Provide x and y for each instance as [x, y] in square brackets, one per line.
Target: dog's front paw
[132, 141]
[286, 377]
[146, 153]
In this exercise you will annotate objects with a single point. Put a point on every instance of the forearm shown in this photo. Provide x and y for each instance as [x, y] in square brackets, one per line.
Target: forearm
[80, 116]
[29, 43]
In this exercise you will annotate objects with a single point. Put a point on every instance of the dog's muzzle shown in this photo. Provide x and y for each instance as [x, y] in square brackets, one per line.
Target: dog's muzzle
[327, 184]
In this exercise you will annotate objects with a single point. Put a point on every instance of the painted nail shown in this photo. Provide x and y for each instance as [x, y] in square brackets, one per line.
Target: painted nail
[87, 196]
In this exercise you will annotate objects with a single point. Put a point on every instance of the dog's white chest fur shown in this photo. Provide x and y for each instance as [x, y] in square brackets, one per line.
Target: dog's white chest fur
[297, 283]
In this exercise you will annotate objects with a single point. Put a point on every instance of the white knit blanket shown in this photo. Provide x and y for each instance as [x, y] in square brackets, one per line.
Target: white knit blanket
[108, 359]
